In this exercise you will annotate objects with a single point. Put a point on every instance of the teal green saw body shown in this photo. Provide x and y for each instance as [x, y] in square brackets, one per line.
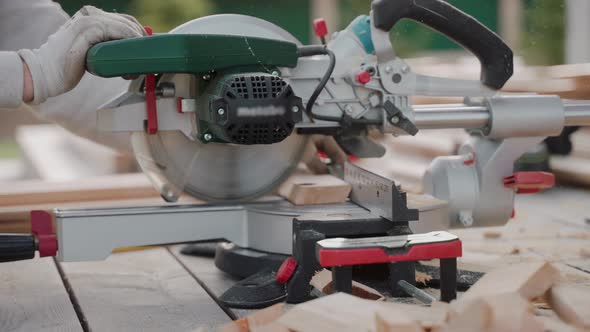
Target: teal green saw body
[185, 53]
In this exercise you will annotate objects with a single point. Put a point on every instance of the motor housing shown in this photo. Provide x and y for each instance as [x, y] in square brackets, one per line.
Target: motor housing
[248, 108]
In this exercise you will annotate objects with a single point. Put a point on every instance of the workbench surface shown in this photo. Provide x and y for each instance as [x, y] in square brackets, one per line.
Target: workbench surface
[160, 289]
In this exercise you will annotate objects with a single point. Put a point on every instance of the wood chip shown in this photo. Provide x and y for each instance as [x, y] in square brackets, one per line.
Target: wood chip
[323, 282]
[571, 303]
[422, 278]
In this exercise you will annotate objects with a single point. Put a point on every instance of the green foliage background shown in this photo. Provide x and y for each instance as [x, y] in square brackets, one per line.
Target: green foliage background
[542, 39]
[543, 34]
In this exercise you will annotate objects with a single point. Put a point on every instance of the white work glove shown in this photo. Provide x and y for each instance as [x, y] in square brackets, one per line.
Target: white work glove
[59, 64]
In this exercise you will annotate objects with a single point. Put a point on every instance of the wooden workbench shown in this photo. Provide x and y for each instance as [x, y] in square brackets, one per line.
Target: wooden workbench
[161, 290]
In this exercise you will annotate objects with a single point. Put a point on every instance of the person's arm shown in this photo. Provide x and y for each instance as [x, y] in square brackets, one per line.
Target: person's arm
[58, 65]
[27, 84]
[11, 80]
[75, 110]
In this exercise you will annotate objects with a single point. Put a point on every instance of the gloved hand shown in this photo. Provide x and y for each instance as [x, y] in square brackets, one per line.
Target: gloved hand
[59, 64]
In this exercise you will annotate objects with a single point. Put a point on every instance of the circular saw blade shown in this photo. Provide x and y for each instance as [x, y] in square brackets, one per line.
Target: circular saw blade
[214, 171]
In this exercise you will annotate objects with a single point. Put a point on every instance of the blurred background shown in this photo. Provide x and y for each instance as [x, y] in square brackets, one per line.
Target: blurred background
[545, 35]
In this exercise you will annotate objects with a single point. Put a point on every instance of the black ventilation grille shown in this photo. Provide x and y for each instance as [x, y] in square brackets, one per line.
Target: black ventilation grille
[260, 133]
[257, 86]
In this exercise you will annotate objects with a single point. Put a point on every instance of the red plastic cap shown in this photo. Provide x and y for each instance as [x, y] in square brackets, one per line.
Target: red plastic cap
[148, 30]
[320, 28]
[286, 270]
[41, 226]
[362, 77]
[529, 182]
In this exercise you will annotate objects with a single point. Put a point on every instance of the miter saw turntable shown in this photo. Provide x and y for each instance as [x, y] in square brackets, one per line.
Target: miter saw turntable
[223, 109]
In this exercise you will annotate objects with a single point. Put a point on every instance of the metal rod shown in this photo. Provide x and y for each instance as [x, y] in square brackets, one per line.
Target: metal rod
[451, 116]
[576, 113]
[416, 293]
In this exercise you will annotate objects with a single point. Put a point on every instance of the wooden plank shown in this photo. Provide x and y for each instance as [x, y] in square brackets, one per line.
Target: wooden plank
[108, 187]
[216, 281]
[142, 290]
[52, 153]
[302, 189]
[34, 298]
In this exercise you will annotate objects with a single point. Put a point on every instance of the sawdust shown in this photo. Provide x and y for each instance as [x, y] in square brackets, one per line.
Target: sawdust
[492, 234]
[422, 278]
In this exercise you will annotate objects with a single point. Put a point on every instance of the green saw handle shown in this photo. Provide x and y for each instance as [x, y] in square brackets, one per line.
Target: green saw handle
[181, 53]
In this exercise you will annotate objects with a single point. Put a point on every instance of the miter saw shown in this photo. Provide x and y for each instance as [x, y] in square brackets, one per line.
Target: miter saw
[222, 111]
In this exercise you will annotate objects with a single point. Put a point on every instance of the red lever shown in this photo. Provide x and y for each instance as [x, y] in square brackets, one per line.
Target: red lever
[41, 226]
[529, 182]
[150, 98]
[320, 28]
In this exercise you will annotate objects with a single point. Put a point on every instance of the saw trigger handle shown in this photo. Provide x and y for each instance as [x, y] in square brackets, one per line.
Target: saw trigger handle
[495, 56]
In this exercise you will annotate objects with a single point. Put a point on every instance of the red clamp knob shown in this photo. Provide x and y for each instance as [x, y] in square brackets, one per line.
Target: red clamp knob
[286, 270]
[320, 28]
[362, 77]
[529, 182]
[41, 226]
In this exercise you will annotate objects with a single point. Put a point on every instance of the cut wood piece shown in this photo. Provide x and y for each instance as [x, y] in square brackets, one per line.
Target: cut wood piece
[554, 324]
[323, 282]
[527, 279]
[344, 312]
[495, 313]
[429, 317]
[302, 189]
[581, 143]
[34, 298]
[336, 312]
[433, 213]
[570, 169]
[475, 317]
[391, 320]
[571, 303]
[108, 187]
[145, 290]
